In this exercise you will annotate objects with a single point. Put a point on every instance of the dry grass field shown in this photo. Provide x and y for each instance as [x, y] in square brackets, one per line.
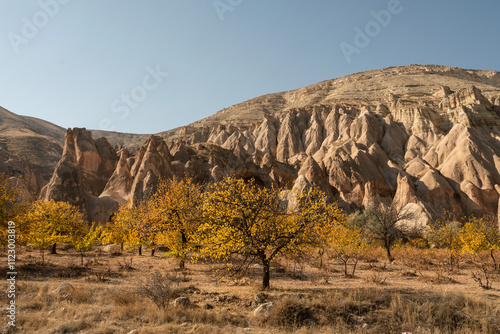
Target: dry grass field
[413, 294]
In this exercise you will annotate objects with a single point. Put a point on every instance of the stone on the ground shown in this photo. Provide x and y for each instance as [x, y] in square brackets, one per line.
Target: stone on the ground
[64, 289]
[263, 308]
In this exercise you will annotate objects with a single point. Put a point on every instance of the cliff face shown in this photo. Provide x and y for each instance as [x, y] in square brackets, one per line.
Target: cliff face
[427, 137]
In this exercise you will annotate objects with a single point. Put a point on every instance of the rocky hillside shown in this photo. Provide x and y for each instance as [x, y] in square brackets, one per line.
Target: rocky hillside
[37, 142]
[422, 137]
[29, 147]
[32, 147]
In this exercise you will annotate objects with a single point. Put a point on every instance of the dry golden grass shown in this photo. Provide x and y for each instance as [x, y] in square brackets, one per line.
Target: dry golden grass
[415, 293]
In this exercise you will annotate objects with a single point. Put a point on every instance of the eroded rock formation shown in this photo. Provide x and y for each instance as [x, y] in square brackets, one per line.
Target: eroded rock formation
[421, 136]
[82, 173]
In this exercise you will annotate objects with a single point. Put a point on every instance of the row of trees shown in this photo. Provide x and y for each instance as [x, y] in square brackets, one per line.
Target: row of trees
[224, 219]
[234, 217]
[472, 236]
[237, 217]
[43, 224]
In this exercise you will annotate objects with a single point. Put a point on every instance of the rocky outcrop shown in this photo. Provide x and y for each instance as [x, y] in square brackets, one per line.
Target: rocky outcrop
[266, 137]
[21, 174]
[464, 97]
[120, 183]
[289, 138]
[472, 164]
[82, 173]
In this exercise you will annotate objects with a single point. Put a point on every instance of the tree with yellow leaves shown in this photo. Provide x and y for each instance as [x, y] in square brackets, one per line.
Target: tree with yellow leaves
[128, 227]
[84, 240]
[48, 223]
[12, 205]
[347, 243]
[445, 233]
[246, 219]
[175, 211]
[481, 233]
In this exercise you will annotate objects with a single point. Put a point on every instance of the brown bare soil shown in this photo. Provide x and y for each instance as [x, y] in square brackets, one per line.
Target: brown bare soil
[416, 293]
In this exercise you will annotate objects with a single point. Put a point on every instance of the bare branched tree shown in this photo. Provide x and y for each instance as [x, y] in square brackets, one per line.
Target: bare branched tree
[384, 223]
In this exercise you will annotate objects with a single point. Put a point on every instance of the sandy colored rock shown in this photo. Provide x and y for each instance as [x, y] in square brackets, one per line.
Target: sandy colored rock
[82, 173]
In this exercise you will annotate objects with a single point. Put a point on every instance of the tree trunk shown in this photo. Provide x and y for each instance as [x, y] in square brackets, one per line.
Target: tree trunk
[153, 248]
[182, 262]
[82, 258]
[321, 252]
[345, 268]
[266, 277]
[140, 250]
[121, 246]
[54, 249]
[495, 264]
[388, 250]
[354, 266]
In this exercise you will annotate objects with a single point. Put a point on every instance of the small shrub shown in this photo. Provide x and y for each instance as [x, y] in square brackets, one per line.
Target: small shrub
[483, 276]
[82, 296]
[377, 278]
[415, 258]
[126, 265]
[102, 276]
[290, 313]
[158, 288]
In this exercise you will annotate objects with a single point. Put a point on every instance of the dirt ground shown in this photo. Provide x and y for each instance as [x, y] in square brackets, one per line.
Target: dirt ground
[104, 298]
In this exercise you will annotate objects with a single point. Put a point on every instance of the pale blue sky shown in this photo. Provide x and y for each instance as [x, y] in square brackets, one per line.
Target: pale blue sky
[89, 55]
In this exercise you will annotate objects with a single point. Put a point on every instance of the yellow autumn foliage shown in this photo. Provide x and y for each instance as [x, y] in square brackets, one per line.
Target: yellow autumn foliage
[48, 223]
[174, 209]
[255, 222]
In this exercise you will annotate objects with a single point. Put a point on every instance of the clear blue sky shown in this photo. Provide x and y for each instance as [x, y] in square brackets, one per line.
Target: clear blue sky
[85, 57]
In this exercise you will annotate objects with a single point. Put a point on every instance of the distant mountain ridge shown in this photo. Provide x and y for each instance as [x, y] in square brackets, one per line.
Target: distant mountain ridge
[369, 88]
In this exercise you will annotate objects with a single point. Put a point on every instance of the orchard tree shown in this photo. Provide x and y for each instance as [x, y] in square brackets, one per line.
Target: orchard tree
[12, 205]
[175, 209]
[147, 231]
[84, 240]
[128, 226]
[481, 234]
[347, 242]
[48, 223]
[252, 221]
[445, 233]
[117, 229]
